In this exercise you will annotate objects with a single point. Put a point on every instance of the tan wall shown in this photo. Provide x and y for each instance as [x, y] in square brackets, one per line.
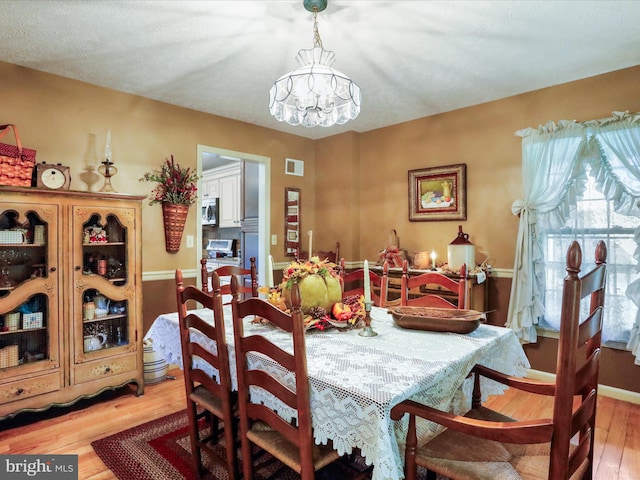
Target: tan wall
[483, 138]
[337, 191]
[355, 185]
[66, 122]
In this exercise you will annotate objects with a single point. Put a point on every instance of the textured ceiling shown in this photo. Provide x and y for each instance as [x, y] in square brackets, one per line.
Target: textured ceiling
[411, 58]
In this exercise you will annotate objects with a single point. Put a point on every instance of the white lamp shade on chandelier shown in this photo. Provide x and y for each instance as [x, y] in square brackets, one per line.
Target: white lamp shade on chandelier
[314, 94]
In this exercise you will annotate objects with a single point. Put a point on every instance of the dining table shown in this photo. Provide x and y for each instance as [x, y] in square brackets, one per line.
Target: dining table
[357, 380]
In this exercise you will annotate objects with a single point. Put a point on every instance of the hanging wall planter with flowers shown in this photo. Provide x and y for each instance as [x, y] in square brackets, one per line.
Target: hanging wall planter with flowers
[176, 190]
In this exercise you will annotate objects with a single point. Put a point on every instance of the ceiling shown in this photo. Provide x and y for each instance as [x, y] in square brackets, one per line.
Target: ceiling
[411, 58]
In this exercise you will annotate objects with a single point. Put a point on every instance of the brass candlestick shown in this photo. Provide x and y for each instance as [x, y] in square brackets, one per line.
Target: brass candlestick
[367, 331]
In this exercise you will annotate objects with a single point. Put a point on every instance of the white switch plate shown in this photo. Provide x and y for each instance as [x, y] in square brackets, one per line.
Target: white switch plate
[274, 239]
[189, 241]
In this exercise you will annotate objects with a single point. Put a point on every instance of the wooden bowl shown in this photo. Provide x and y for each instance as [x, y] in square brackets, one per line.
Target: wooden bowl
[437, 319]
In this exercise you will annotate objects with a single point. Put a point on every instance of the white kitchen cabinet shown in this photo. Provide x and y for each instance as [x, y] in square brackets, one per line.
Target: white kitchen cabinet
[210, 187]
[225, 183]
[230, 201]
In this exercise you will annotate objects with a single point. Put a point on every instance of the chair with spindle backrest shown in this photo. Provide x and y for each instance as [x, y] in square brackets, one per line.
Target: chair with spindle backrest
[228, 271]
[290, 442]
[328, 255]
[487, 444]
[214, 398]
[437, 280]
[353, 283]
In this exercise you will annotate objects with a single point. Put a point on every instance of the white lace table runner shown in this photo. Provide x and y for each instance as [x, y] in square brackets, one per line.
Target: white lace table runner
[355, 381]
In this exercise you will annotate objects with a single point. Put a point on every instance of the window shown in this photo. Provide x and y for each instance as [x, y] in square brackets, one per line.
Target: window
[592, 220]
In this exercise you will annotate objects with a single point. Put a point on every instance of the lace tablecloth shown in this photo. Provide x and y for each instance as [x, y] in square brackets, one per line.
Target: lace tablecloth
[355, 381]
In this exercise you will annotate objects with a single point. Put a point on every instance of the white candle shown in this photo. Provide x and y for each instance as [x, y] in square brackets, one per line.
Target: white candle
[310, 243]
[270, 272]
[433, 259]
[367, 282]
[107, 146]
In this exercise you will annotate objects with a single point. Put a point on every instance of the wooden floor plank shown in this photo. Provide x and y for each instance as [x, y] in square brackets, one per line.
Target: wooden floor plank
[604, 415]
[630, 464]
[609, 465]
[72, 430]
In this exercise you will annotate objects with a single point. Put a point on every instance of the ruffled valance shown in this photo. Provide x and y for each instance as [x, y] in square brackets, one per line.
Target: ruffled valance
[555, 158]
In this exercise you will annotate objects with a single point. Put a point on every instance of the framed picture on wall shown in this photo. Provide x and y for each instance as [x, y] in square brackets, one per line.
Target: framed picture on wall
[292, 210]
[438, 193]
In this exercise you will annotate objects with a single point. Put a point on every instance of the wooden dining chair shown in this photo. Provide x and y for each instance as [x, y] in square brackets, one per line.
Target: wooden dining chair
[250, 274]
[435, 281]
[353, 283]
[329, 255]
[290, 442]
[487, 444]
[207, 397]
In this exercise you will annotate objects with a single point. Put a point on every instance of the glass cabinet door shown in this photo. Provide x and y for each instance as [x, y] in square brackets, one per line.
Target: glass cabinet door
[104, 282]
[29, 287]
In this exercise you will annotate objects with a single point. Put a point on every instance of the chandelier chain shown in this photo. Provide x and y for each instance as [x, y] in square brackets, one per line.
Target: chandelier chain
[317, 42]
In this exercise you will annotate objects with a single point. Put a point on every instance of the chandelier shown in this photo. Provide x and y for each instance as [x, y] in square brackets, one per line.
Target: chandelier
[315, 94]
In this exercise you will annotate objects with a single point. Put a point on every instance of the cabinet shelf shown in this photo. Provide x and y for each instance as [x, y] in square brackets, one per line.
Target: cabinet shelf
[105, 317]
[102, 244]
[22, 245]
[114, 279]
[22, 330]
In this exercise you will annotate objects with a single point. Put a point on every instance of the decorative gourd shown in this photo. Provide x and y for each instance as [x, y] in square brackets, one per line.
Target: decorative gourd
[317, 291]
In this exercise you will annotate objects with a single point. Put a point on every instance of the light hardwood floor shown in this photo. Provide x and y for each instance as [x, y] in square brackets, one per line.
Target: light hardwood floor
[71, 431]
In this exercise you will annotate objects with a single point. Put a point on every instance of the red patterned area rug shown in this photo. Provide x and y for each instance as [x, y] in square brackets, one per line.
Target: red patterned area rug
[161, 450]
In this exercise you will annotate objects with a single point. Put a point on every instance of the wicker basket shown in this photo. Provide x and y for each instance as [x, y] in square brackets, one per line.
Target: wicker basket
[174, 216]
[9, 356]
[16, 162]
[15, 172]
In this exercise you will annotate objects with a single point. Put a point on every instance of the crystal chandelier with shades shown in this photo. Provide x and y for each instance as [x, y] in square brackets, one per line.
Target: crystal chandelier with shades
[315, 94]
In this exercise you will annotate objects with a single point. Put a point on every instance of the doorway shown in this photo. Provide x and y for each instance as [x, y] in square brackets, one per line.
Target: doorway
[212, 157]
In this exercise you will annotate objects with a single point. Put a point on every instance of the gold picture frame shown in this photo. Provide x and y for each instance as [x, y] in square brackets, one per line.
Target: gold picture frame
[438, 193]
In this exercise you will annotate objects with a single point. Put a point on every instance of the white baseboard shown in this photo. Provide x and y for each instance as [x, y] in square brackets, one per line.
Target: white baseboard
[604, 390]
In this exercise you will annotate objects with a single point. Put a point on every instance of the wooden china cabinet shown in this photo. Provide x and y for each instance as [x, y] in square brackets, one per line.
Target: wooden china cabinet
[70, 296]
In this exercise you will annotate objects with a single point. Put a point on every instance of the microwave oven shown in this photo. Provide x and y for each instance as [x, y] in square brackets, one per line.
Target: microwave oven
[210, 211]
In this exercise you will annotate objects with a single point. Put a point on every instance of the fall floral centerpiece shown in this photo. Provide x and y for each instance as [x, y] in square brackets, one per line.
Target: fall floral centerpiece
[321, 295]
[176, 190]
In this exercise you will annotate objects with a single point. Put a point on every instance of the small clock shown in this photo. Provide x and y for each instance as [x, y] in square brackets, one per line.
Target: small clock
[52, 177]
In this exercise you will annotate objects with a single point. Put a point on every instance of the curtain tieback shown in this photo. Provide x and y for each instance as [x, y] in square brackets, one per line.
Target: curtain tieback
[520, 206]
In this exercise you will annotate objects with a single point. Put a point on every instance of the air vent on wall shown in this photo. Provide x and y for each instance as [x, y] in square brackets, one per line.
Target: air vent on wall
[294, 167]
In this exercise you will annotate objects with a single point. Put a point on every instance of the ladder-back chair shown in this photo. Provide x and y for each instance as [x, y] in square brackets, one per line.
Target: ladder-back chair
[290, 442]
[487, 444]
[247, 274]
[353, 283]
[433, 280]
[207, 397]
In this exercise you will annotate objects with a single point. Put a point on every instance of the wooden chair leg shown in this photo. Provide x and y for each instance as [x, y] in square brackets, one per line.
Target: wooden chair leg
[410, 467]
[230, 438]
[194, 436]
[476, 396]
[247, 459]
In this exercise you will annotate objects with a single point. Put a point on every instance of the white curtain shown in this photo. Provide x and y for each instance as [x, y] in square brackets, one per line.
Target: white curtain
[554, 158]
[548, 159]
[619, 175]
